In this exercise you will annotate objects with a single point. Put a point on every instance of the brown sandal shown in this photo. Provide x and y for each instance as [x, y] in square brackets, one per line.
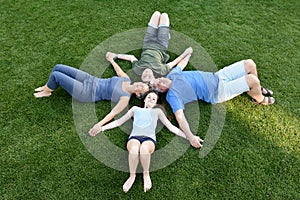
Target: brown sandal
[266, 101]
[266, 91]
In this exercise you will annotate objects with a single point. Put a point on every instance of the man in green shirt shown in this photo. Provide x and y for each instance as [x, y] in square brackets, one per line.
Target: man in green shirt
[153, 62]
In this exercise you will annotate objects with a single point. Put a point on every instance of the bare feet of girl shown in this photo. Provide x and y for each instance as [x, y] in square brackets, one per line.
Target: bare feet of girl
[147, 182]
[127, 185]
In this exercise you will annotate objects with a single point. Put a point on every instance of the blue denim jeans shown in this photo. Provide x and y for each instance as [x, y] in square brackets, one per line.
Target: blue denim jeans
[77, 83]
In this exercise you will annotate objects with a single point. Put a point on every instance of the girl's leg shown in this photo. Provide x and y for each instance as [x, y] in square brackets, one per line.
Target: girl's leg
[146, 149]
[133, 147]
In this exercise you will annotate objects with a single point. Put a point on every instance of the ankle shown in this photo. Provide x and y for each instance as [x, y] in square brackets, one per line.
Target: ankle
[146, 173]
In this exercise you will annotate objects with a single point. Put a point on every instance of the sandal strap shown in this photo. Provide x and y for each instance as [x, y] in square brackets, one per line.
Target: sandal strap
[268, 92]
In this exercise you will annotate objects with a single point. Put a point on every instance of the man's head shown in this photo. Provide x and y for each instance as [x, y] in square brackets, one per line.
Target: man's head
[147, 75]
[161, 84]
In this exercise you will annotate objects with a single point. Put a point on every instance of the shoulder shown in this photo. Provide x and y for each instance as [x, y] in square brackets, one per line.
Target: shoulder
[175, 71]
[125, 78]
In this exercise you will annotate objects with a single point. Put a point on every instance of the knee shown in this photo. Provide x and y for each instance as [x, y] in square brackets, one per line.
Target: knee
[164, 20]
[164, 15]
[133, 150]
[252, 80]
[157, 13]
[145, 150]
[249, 65]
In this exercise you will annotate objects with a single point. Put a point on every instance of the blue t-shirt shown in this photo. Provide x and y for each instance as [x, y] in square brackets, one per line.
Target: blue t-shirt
[188, 86]
[110, 89]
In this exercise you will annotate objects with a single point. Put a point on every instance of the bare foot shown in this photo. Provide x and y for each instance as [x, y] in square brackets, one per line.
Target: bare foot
[39, 89]
[42, 94]
[188, 51]
[147, 182]
[127, 185]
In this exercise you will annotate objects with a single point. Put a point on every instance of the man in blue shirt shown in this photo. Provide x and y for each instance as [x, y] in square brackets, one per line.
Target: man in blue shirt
[183, 87]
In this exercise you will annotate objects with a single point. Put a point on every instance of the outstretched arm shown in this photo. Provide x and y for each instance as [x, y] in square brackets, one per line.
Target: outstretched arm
[120, 121]
[127, 57]
[121, 105]
[184, 126]
[117, 68]
[183, 63]
[179, 58]
[162, 117]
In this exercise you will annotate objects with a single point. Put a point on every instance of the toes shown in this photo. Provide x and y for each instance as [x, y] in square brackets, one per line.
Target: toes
[147, 183]
[41, 94]
[39, 89]
[128, 184]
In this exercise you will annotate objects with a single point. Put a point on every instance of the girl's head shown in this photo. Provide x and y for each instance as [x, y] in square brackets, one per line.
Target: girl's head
[150, 100]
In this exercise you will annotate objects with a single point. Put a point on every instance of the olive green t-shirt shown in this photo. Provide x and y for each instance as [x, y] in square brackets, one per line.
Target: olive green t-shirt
[154, 57]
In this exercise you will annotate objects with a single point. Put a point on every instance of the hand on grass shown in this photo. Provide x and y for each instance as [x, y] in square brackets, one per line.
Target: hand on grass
[196, 142]
[110, 56]
[95, 130]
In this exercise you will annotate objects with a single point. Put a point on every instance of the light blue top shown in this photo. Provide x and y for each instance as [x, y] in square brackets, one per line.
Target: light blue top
[144, 123]
[188, 86]
[110, 89]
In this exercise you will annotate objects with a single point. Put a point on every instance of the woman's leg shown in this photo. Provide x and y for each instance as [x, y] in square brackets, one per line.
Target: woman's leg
[146, 149]
[69, 78]
[133, 147]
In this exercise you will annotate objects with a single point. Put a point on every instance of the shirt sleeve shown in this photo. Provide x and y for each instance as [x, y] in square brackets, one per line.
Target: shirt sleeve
[174, 102]
[175, 70]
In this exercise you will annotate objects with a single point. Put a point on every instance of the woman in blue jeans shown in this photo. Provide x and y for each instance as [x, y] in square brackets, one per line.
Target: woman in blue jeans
[86, 88]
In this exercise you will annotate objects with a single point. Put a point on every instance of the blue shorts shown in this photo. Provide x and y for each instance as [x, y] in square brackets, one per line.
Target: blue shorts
[159, 35]
[232, 81]
[142, 139]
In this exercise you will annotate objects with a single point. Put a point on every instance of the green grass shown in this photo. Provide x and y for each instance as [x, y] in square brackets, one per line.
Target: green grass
[43, 157]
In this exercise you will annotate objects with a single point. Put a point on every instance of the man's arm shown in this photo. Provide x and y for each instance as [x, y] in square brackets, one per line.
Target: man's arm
[179, 58]
[183, 63]
[184, 126]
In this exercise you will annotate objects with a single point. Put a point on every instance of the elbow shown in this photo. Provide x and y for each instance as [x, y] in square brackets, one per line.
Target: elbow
[179, 118]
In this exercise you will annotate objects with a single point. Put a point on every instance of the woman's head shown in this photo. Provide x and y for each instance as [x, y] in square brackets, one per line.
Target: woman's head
[140, 88]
